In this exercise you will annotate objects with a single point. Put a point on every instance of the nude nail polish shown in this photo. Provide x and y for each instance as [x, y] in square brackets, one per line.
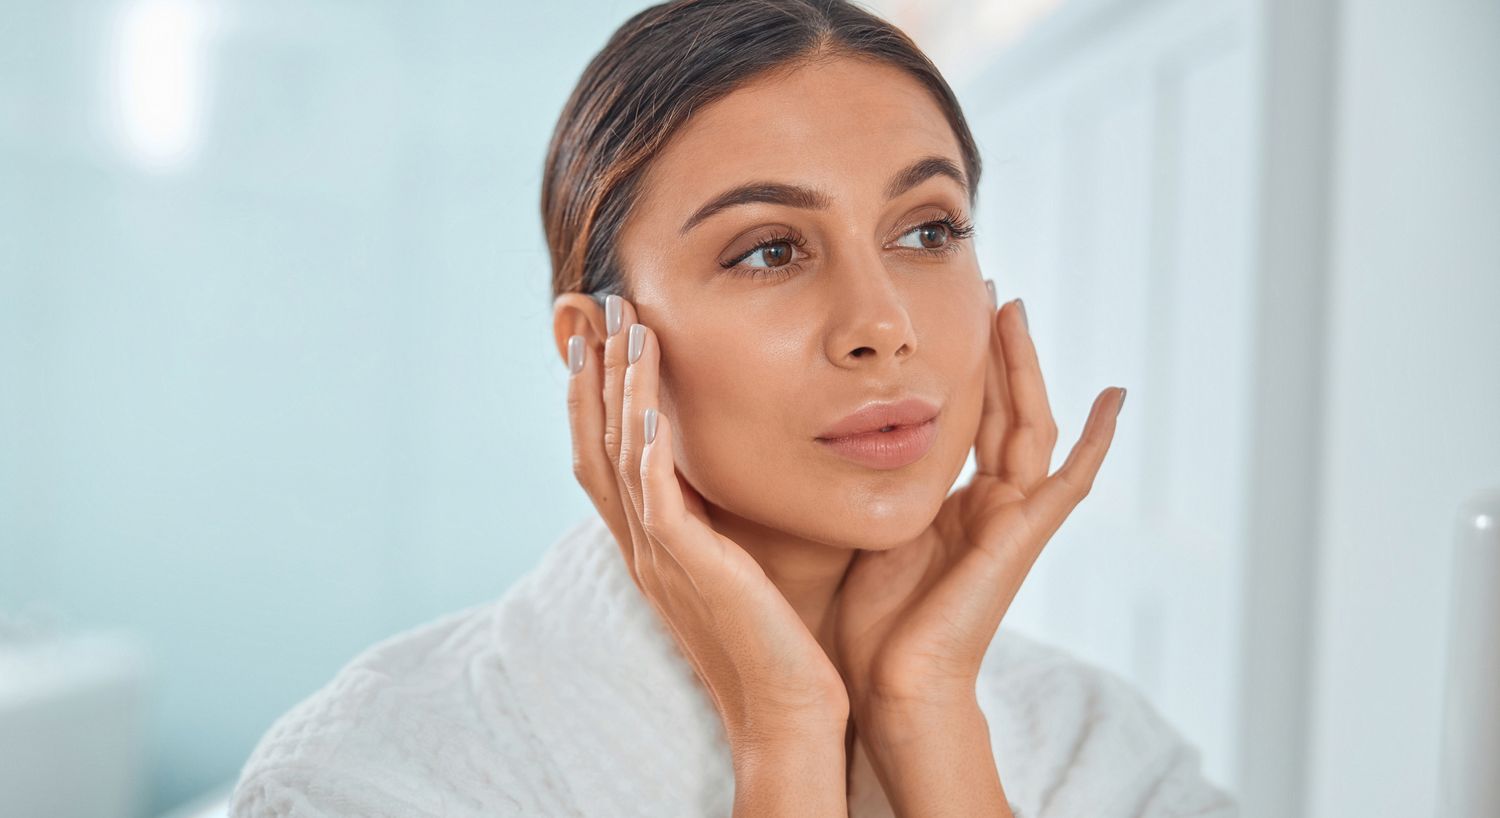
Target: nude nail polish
[994, 299]
[1122, 402]
[575, 354]
[614, 312]
[650, 425]
[637, 341]
[1021, 305]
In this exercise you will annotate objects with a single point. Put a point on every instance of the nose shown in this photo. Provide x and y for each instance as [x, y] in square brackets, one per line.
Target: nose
[870, 326]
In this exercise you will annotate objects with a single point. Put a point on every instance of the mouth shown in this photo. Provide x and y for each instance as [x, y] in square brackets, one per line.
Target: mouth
[884, 434]
[890, 447]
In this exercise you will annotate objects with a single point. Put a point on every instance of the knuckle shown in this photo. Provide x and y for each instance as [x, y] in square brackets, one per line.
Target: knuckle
[626, 458]
[1077, 486]
[612, 439]
[1085, 485]
[652, 522]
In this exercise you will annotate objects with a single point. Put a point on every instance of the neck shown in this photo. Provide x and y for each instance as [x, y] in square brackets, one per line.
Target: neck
[807, 573]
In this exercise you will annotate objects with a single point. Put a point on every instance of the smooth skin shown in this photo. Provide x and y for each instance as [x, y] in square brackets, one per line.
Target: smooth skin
[821, 602]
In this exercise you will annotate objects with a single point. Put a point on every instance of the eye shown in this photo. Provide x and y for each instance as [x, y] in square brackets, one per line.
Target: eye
[776, 250]
[940, 236]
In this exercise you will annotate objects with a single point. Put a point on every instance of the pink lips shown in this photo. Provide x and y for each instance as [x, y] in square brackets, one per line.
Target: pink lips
[885, 435]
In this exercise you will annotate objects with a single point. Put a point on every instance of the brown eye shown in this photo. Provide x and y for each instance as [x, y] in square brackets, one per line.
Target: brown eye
[933, 235]
[777, 253]
[939, 237]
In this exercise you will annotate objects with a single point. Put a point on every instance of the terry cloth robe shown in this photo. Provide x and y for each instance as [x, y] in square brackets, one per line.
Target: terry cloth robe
[567, 696]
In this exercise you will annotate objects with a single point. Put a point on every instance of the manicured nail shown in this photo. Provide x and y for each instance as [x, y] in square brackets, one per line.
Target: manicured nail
[1122, 402]
[994, 299]
[575, 354]
[650, 425]
[1021, 305]
[614, 311]
[637, 340]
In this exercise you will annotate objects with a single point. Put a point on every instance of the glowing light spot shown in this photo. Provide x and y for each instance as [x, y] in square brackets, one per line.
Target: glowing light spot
[158, 80]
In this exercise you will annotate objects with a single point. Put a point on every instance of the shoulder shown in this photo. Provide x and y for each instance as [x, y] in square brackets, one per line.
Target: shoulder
[1075, 738]
[344, 749]
[433, 720]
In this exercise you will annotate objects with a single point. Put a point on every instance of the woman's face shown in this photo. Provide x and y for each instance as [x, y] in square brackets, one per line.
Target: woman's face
[877, 303]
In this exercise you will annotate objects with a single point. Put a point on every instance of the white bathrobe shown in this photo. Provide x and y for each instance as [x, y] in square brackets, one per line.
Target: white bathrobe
[567, 696]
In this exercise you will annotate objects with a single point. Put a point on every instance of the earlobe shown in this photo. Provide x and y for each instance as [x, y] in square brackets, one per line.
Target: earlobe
[576, 314]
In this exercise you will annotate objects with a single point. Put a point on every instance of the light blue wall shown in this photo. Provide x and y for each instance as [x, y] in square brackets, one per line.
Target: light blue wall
[278, 400]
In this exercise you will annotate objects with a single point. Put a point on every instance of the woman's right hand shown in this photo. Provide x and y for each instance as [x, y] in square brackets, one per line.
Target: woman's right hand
[771, 681]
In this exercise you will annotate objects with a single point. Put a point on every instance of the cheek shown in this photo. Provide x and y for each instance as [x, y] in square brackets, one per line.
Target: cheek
[730, 410]
[957, 352]
[969, 355]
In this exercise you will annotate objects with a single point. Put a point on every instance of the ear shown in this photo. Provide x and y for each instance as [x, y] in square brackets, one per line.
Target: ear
[577, 314]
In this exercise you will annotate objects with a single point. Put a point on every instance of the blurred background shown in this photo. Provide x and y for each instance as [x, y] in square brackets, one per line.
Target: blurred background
[277, 378]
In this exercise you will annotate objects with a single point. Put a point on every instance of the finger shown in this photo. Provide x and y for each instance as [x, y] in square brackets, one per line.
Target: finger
[1033, 433]
[591, 466]
[619, 315]
[663, 513]
[638, 394]
[658, 494]
[663, 519]
[1058, 495]
[995, 419]
[664, 516]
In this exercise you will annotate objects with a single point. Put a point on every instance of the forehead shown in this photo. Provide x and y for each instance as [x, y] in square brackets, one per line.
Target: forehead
[844, 126]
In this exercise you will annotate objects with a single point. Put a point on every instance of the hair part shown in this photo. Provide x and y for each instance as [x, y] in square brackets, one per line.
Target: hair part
[660, 66]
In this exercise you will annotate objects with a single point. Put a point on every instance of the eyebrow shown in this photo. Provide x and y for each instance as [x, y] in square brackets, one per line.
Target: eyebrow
[813, 199]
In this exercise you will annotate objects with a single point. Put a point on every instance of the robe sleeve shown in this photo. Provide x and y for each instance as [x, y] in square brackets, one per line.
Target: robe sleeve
[299, 792]
[1073, 740]
[1174, 787]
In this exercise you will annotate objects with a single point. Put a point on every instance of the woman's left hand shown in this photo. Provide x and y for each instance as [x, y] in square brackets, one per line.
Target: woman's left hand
[914, 623]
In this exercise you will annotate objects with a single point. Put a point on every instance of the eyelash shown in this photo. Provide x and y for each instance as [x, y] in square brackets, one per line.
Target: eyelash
[958, 230]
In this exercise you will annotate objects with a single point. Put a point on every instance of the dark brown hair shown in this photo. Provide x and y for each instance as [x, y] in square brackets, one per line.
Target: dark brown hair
[668, 61]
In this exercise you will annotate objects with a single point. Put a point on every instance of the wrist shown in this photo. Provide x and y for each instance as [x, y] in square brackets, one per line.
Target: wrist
[888, 725]
[897, 705]
[769, 744]
[799, 773]
[934, 759]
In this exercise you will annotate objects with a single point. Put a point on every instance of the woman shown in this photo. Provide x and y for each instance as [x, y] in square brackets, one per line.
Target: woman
[780, 353]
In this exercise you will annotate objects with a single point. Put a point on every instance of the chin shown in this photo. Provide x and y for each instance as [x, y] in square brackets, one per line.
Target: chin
[886, 523]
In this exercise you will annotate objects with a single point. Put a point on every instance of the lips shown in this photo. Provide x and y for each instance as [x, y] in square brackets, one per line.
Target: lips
[875, 417]
[886, 435]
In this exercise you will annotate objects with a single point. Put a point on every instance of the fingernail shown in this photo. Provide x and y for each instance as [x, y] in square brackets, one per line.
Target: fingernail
[1021, 305]
[650, 425]
[994, 299]
[637, 340]
[1122, 402]
[575, 354]
[614, 310]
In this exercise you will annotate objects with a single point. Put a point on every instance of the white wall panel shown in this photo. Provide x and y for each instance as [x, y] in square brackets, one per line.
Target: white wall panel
[1117, 200]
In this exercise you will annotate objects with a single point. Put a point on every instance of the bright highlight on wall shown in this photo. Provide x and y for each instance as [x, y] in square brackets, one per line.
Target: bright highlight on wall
[158, 80]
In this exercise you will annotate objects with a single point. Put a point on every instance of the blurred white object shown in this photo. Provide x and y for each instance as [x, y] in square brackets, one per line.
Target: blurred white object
[71, 725]
[1471, 709]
